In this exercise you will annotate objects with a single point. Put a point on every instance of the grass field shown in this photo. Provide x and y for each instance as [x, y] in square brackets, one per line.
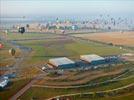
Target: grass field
[18, 36]
[52, 45]
[44, 93]
[127, 96]
[5, 57]
[71, 50]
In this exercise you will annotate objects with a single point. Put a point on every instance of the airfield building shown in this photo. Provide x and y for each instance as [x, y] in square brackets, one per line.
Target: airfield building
[62, 63]
[92, 59]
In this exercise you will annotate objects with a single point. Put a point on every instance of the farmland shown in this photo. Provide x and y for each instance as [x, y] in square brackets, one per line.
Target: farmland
[117, 38]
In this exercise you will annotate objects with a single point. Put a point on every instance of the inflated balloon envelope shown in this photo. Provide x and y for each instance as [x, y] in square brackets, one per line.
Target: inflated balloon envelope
[12, 51]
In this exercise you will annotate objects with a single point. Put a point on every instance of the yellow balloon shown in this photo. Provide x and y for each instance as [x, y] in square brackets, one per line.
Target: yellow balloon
[12, 51]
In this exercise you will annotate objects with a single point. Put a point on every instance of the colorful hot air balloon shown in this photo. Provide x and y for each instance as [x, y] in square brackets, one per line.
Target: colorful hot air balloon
[12, 51]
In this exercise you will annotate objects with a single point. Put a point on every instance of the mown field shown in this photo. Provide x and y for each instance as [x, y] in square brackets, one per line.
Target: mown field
[46, 46]
[71, 50]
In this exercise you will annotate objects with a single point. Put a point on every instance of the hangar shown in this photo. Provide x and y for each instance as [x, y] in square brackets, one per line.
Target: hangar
[92, 59]
[62, 62]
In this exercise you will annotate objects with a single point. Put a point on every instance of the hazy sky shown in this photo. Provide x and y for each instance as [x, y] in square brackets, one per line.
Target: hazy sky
[65, 7]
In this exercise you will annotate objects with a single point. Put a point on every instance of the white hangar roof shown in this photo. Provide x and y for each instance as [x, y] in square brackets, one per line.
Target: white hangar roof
[91, 57]
[60, 61]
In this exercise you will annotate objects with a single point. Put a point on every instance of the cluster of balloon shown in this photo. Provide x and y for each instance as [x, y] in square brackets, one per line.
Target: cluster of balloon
[21, 30]
[12, 51]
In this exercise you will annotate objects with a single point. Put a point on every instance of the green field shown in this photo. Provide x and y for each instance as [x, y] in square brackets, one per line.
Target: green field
[16, 36]
[45, 48]
[71, 50]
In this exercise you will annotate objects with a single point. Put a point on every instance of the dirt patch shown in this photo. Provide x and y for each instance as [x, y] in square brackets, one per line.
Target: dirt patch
[60, 41]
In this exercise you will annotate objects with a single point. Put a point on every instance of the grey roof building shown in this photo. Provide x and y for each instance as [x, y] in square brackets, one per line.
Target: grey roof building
[62, 62]
[92, 58]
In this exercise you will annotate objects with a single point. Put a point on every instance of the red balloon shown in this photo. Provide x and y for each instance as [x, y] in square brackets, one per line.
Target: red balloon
[1, 46]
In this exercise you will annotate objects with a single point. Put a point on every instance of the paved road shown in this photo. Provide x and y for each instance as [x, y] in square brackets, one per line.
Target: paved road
[25, 88]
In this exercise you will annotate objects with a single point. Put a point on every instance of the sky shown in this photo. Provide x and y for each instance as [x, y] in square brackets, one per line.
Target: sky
[16, 8]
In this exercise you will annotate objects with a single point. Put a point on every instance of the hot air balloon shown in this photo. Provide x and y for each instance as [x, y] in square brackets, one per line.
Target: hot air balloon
[6, 31]
[1, 46]
[21, 30]
[57, 26]
[63, 31]
[109, 28]
[12, 51]
[57, 20]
